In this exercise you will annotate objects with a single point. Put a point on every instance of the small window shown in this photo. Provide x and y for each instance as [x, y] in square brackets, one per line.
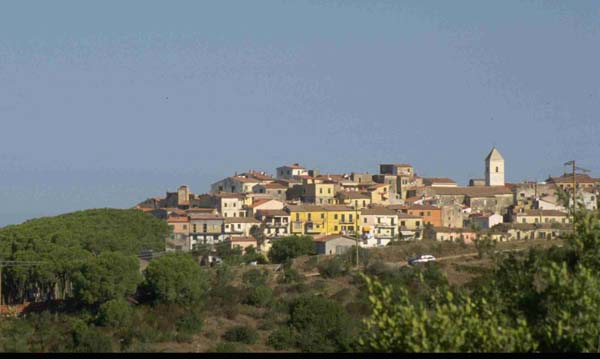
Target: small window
[497, 170]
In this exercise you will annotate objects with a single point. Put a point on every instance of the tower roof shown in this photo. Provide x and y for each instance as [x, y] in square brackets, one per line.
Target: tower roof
[494, 155]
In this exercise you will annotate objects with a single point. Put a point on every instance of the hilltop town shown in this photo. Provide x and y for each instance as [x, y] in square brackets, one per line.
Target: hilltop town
[337, 210]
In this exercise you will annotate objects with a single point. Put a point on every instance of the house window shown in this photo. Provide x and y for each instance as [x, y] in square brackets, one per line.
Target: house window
[204, 228]
[524, 220]
[335, 228]
[403, 224]
[322, 215]
[329, 190]
[496, 169]
[335, 216]
[224, 204]
[364, 203]
[365, 220]
[239, 226]
[321, 190]
[194, 228]
[343, 218]
[418, 223]
[185, 227]
[350, 217]
[422, 214]
[297, 216]
[378, 219]
[309, 217]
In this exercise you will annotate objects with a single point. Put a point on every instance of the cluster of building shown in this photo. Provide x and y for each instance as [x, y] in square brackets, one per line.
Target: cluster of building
[255, 208]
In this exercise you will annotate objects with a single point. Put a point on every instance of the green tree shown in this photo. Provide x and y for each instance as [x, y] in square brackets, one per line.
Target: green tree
[111, 275]
[115, 313]
[453, 324]
[175, 278]
[486, 246]
[291, 247]
[322, 325]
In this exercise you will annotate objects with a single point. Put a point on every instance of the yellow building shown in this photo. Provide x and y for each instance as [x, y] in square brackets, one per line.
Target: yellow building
[327, 219]
[341, 219]
[380, 193]
[320, 193]
[354, 199]
[306, 219]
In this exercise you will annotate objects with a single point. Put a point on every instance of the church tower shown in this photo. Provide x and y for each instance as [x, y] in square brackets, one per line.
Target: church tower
[494, 169]
[183, 196]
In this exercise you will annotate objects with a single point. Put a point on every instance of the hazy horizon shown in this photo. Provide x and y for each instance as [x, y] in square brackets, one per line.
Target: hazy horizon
[105, 104]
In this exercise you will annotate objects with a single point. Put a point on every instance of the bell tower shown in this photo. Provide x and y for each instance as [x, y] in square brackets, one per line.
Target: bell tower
[494, 169]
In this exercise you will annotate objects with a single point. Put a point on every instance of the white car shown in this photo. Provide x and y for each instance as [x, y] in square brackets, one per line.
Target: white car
[424, 258]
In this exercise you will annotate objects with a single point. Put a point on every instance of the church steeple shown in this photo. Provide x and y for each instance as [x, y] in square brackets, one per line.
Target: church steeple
[494, 168]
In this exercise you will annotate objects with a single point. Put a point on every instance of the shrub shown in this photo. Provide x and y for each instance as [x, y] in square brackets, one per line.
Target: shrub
[189, 323]
[241, 334]
[282, 338]
[290, 275]
[260, 296]
[322, 324]
[89, 339]
[332, 268]
[176, 278]
[115, 313]
[291, 247]
[255, 278]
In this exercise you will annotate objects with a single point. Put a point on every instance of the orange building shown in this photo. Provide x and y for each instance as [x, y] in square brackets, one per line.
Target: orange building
[430, 214]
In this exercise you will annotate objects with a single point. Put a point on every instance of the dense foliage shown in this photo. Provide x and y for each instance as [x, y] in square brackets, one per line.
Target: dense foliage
[69, 252]
[175, 279]
[547, 300]
[291, 247]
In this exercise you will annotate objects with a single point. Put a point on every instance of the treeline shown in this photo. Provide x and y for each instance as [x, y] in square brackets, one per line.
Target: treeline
[55, 257]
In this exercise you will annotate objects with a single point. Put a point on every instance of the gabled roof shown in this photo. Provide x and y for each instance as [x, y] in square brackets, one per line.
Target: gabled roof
[378, 211]
[568, 178]
[494, 155]
[432, 180]
[471, 191]
[261, 201]
[337, 207]
[272, 213]
[329, 237]
[229, 220]
[542, 213]
[305, 208]
[200, 216]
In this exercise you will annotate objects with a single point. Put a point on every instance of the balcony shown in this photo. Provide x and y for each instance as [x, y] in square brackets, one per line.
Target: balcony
[279, 224]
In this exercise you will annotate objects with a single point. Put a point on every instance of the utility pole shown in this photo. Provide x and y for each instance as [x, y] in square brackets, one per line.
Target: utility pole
[574, 169]
[357, 233]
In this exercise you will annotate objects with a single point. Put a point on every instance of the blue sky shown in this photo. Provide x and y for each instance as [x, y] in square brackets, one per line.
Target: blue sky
[105, 103]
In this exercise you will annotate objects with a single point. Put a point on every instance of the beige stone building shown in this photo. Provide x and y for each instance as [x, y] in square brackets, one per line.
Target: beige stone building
[239, 226]
[541, 216]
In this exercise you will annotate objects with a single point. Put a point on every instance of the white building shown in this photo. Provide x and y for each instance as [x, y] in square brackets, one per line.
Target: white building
[291, 171]
[494, 169]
